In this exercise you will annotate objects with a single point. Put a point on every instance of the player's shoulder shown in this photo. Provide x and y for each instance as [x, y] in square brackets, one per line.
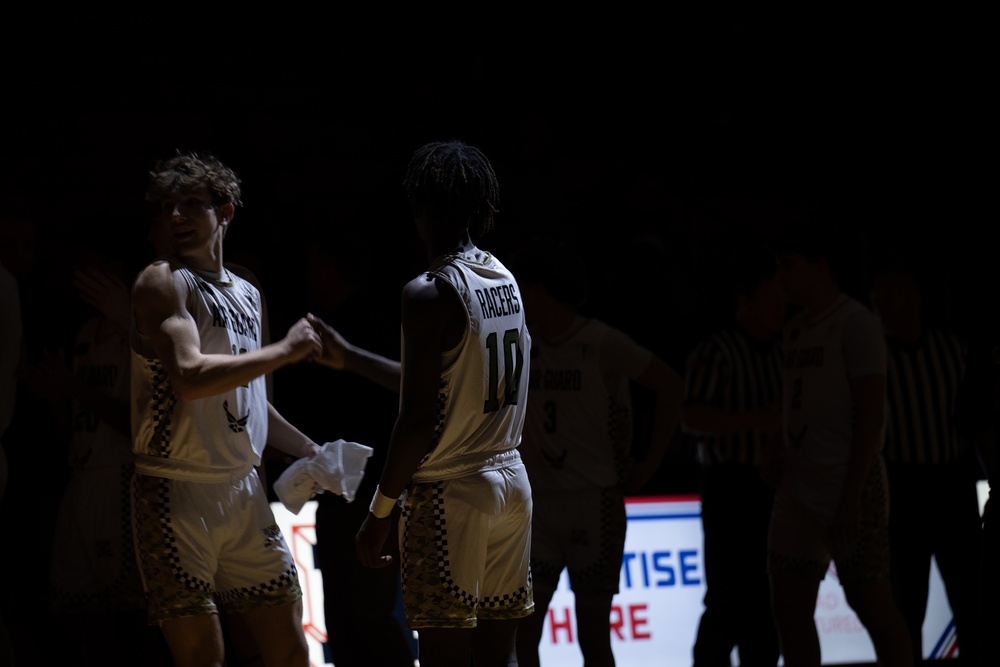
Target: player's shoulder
[428, 292]
[594, 329]
[158, 273]
[610, 338]
[163, 279]
[859, 314]
[423, 285]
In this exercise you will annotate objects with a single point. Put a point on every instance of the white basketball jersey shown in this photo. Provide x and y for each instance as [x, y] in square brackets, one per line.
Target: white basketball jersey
[822, 354]
[207, 439]
[484, 383]
[579, 426]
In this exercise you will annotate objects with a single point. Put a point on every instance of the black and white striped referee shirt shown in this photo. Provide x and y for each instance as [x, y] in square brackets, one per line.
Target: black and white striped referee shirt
[921, 390]
[731, 371]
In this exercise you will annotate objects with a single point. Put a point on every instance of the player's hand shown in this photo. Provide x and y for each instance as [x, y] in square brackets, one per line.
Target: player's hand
[302, 341]
[370, 541]
[107, 293]
[334, 349]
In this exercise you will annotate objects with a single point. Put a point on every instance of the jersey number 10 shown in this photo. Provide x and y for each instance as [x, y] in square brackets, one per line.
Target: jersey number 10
[513, 362]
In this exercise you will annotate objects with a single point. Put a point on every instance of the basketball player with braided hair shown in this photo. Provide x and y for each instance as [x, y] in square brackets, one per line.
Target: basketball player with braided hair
[453, 462]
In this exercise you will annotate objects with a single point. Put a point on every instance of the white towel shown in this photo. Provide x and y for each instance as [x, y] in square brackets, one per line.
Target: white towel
[338, 468]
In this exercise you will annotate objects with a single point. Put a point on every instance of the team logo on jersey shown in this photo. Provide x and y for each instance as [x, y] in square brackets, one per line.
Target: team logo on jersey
[235, 425]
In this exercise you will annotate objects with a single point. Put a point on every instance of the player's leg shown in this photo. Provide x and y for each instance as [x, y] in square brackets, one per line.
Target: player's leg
[865, 577]
[797, 562]
[278, 634]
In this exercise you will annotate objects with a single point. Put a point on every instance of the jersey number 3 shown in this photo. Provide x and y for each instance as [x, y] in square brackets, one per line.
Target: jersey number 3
[513, 362]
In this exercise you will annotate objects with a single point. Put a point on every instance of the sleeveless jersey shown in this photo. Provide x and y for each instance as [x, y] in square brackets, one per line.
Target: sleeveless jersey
[484, 383]
[578, 429]
[822, 355]
[101, 362]
[207, 439]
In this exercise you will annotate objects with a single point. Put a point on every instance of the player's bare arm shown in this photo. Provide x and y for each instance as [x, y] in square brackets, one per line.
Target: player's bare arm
[430, 314]
[283, 436]
[340, 355]
[668, 388]
[160, 299]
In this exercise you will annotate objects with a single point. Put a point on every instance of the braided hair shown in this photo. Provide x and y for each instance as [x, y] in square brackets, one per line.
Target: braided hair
[453, 183]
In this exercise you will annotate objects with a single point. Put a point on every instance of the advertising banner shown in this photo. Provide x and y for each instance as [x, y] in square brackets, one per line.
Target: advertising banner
[655, 615]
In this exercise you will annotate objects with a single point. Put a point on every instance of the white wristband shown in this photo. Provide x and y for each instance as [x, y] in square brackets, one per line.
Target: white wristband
[382, 504]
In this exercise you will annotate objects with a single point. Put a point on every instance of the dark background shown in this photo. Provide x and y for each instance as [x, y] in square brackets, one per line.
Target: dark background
[660, 144]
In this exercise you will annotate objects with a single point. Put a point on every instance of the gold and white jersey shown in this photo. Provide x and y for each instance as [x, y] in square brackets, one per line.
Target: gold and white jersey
[484, 383]
[208, 439]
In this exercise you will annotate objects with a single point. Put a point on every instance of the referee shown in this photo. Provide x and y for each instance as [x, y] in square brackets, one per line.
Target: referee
[732, 408]
[934, 509]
